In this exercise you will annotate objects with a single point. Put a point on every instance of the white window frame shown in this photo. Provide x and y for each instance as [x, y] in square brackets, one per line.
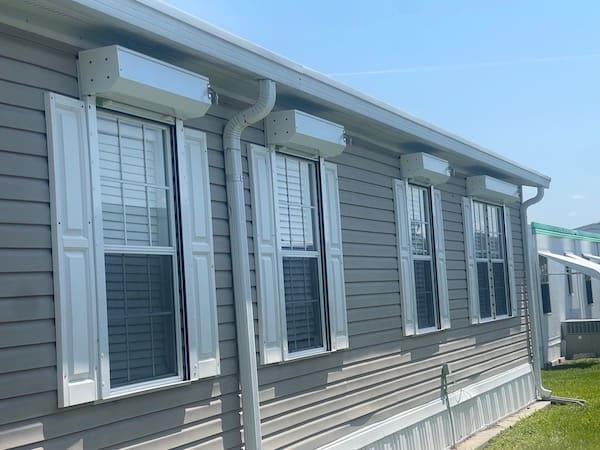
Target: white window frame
[311, 254]
[471, 259]
[269, 262]
[77, 232]
[406, 259]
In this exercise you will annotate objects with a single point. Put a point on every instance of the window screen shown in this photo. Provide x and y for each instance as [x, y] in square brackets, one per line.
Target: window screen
[545, 284]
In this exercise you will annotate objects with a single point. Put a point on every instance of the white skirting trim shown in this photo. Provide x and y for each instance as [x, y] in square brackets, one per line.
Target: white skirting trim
[430, 426]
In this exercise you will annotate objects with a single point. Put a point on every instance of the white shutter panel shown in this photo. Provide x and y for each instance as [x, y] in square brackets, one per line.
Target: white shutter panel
[405, 262]
[469, 238]
[73, 250]
[511, 262]
[336, 290]
[266, 257]
[440, 258]
[198, 257]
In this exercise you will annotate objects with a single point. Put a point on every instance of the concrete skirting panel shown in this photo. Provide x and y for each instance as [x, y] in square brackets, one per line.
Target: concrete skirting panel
[436, 426]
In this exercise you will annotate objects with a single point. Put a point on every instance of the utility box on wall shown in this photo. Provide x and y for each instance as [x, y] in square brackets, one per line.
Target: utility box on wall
[123, 75]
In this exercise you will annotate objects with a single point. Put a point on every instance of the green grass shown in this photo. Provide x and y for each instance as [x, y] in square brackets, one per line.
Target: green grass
[564, 427]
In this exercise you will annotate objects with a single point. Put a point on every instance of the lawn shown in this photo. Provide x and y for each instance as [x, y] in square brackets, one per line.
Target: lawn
[563, 427]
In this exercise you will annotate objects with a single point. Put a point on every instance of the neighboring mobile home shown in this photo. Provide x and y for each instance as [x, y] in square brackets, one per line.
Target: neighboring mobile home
[568, 271]
[271, 260]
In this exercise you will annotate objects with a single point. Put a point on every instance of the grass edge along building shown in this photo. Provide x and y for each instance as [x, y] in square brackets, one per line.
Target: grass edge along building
[207, 245]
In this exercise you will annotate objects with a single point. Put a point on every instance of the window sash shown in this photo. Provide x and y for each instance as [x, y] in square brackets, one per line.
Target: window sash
[296, 187]
[490, 249]
[143, 179]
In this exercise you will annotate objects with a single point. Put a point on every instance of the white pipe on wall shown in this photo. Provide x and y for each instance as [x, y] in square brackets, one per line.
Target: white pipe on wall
[533, 295]
[240, 259]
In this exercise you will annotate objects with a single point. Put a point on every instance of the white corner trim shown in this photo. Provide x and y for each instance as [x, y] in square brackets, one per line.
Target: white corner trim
[403, 421]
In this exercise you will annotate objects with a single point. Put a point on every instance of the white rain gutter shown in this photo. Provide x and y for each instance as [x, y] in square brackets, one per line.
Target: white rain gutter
[239, 259]
[533, 296]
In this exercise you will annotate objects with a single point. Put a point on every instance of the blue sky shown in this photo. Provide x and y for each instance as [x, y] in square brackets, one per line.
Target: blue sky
[519, 78]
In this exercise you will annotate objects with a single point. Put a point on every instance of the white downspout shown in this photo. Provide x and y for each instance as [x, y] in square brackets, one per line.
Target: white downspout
[533, 296]
[240, 260]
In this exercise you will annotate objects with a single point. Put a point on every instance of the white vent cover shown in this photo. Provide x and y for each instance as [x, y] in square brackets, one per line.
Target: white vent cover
[129, 77]
[309, 134]
[424, 168]
[489, 188]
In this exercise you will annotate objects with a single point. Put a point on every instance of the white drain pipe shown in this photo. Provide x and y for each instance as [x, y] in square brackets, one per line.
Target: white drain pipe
[533, 297]
[240, 261]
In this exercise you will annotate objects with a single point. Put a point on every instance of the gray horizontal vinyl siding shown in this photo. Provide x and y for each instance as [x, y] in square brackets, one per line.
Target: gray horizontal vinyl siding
[310, 402]
[203, 414]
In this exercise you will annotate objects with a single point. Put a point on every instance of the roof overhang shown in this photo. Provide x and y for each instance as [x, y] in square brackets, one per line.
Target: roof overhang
[233, 64]
[574, 262]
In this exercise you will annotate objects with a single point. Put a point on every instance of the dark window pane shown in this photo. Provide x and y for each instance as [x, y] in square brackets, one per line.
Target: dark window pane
[500, 293]
[425, 296]
[589, 293]
[546, 306]
[141, 318]
[485, 307]
[302, 303]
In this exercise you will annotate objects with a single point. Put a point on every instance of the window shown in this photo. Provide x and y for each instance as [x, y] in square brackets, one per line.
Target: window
[545, 284]
[299, 243]
[300, 283]
[131, 222]
[490, 268]
[589, 292]
[421, 258]
[569, 272]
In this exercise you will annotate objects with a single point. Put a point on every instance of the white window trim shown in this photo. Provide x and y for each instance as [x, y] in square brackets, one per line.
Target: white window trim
[269, 273]
[471, 261]
[75, 385]
[406, 260]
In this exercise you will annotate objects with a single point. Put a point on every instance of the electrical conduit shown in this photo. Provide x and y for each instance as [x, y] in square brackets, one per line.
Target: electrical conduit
[240, 259]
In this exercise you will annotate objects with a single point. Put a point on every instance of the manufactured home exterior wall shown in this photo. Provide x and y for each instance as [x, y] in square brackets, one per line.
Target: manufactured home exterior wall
[314, 401]
[304, 403]
[205, 412]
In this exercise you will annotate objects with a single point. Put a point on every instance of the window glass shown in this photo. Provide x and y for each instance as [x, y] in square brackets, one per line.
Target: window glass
[589, 292]
[545, 283]
[139, 250]
[419, 215]
[300, 236]
[490, 254]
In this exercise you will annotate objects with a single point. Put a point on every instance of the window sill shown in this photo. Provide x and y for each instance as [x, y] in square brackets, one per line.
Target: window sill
[425, 331]
[306, 354]
[144, 388]
[496, 319]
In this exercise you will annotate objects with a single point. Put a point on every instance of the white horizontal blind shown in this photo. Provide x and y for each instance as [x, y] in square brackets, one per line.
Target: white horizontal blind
[139, 245]
[73, 250]
[297, 216]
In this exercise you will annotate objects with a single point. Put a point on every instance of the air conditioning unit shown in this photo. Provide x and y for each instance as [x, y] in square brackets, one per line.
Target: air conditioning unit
[581, 338]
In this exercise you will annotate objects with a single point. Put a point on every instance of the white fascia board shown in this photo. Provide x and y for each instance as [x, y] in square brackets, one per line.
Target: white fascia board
[178, 28]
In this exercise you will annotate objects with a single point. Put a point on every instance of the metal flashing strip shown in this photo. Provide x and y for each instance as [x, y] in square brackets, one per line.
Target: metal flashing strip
[552, 230]
[515, 387]
[575, 262]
